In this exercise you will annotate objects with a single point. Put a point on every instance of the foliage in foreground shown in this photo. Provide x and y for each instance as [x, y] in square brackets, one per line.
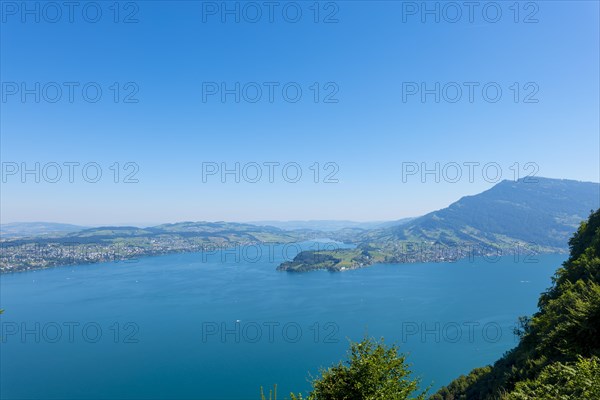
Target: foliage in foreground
[557, 356]
[373, 371]
[579, 380]
[272, 393]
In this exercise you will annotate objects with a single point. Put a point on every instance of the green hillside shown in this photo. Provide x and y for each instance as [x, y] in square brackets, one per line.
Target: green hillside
[544, 212]
[557, 356]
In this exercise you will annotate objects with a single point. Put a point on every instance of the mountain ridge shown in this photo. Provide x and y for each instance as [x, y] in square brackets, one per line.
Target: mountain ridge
[524, 215]
[538, 215]
[524, 218]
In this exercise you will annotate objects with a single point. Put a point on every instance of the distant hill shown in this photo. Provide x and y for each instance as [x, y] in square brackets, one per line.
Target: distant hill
[540, 215]
[322, 225]
[23, 229]
[397, 222]
[222, 231]
[114, 243]
[545, 213]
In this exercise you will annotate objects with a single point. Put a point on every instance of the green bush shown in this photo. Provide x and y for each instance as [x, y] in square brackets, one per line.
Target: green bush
[555, 341]
[558, 381]
[373, 371]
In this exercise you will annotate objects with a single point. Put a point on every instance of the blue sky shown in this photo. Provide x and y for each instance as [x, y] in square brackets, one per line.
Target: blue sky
[370, 58]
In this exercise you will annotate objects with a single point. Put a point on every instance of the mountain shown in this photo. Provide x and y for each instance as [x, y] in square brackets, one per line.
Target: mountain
[542, 213]
[524, 215]
[23, 229]
[538, 214]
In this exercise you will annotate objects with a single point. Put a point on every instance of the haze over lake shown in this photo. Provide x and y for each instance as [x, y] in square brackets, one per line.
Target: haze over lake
[219, 326]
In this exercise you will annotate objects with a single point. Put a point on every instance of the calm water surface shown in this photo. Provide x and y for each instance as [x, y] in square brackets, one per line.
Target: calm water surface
[219, 326]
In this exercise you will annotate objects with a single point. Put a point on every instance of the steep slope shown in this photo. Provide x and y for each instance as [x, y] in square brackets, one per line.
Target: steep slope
[544, 213]
[559, 345]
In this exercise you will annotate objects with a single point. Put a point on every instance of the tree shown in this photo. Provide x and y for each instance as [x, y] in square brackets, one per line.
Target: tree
[579, 380]
[373, 371]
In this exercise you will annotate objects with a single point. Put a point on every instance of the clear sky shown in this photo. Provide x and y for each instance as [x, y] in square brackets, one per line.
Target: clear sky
[176, 66]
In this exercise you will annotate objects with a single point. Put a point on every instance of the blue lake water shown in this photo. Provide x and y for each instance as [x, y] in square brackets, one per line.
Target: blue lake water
[219, 326]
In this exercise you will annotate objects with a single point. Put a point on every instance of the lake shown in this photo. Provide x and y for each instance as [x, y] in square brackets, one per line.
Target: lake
[220, 325]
